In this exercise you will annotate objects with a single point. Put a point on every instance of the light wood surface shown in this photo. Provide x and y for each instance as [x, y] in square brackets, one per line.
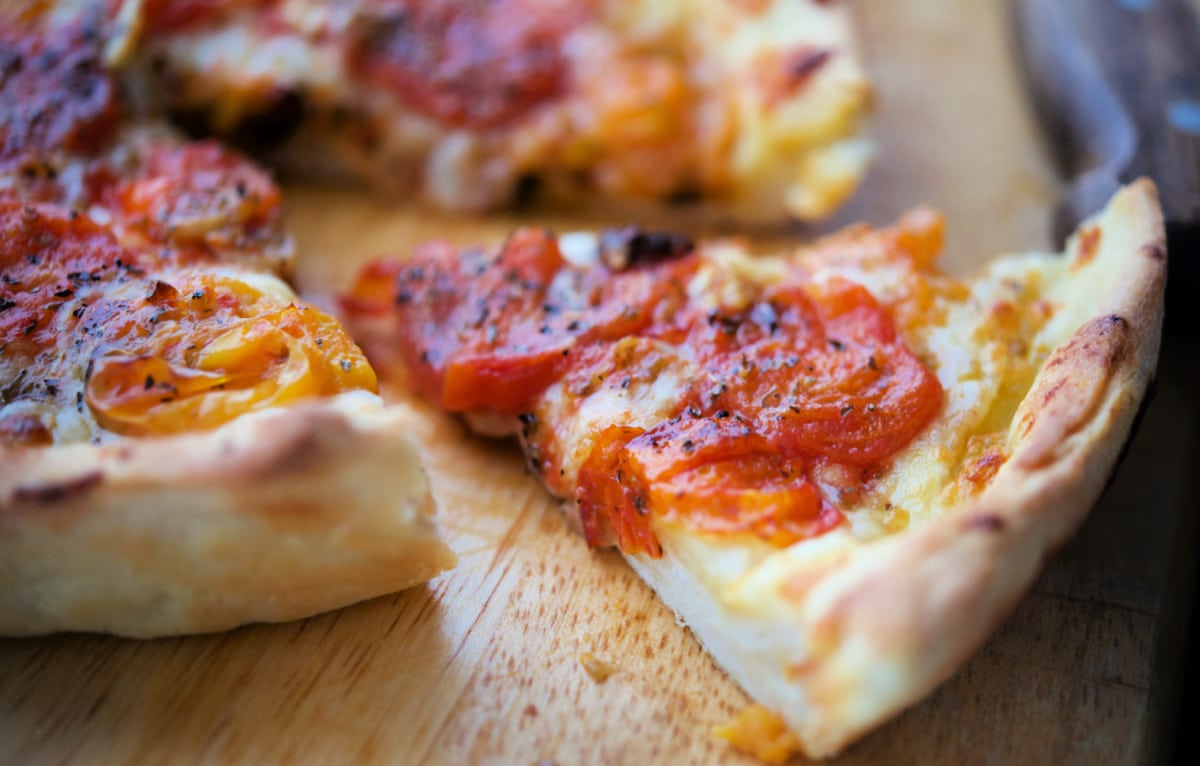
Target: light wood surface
[482, 665]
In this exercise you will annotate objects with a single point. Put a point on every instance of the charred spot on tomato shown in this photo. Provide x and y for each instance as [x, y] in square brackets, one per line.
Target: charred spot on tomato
[629, 247]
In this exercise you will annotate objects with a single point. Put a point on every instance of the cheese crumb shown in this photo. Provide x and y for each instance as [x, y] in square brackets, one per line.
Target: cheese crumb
[597, 668]
[760, 733]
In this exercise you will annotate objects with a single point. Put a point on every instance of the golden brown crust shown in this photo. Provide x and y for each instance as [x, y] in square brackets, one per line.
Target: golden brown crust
[836, 634]
[278, 515]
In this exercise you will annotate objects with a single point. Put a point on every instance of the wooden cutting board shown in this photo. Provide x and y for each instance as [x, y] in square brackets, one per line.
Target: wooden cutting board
[483, 664]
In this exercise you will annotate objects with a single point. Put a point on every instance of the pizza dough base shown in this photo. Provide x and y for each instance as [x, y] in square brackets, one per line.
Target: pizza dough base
[277, 515]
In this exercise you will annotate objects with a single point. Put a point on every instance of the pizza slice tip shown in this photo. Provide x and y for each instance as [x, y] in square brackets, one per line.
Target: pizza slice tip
[840, 468]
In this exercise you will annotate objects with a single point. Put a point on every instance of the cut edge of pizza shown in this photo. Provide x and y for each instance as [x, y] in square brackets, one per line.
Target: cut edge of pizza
[839, 555]
[759, 109]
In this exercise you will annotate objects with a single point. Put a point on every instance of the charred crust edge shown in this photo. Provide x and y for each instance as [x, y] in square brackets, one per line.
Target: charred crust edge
[986, 522]
[46, 494]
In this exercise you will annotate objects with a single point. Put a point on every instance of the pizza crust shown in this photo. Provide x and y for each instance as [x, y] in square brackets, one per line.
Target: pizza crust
[277, 515]
[836, 634]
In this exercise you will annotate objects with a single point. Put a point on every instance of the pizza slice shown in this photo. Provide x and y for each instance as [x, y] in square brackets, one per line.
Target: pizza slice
[840, 467]
[185, 445]
[757, 106]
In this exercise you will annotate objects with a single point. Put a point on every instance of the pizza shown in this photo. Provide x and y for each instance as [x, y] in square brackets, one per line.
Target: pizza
[840, 467]
[186, 445]
[756, 108]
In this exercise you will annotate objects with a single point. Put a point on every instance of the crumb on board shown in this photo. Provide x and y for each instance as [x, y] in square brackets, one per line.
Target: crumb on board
[760, 733]
[597, 668]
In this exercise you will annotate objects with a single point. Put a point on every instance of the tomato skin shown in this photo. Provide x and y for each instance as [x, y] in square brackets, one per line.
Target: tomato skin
[55, 95]
[196, 196]
[795, 377]
[612, 497]
[83, 324]
[767, 495]
[480, 65]
[494, 332]
[171, 16]
[47, 259]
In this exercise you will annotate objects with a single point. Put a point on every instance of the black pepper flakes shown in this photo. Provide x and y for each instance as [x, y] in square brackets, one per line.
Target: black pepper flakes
[639, 504]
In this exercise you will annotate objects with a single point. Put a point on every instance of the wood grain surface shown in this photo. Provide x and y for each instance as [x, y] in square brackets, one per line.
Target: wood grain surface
[483, 664]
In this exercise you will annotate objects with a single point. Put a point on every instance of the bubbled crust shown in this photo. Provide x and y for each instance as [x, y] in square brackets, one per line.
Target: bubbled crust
[837, 635]
[277, 515]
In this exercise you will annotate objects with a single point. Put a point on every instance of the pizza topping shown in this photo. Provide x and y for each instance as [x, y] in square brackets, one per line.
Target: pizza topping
[494, 332]
[211, 358]
[162, 16]
[479, 65]
[48, 262]
[54, 96]
[88, 328]
[779, 382]
[193, 195]
[759, 732]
